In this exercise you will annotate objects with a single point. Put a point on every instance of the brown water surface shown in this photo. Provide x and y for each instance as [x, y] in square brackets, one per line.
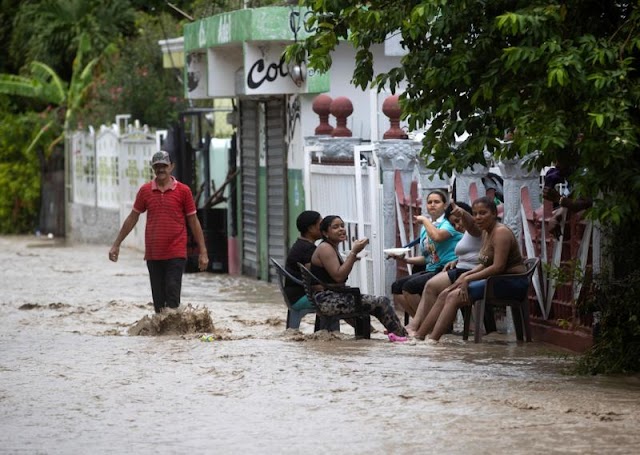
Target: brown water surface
[72, 379]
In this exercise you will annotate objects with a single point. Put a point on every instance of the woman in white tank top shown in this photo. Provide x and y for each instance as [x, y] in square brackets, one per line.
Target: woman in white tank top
[467, 253]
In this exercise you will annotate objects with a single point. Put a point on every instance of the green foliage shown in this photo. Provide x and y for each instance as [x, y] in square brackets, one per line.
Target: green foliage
[561, 76]
[133, 80]
[69, 37]
[617, 300]
[47, 86]
[19, 169]
[161, 6]
[567, 273]
[204, 8]
[60, 24]
[550, 71]
[44, 85]
[8, 11]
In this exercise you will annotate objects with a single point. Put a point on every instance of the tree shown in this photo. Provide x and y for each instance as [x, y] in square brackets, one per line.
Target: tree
[20, 168]
[47, 86]
[8, 10]
[133, 81]
[40, 99]
[58, 26]
[205, 8]
[44, 85]
[561, 76]
[555, 73]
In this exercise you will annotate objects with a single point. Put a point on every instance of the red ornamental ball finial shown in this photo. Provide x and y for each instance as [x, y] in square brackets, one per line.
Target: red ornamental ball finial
[341, 108]
[322, 106]
[391, 108]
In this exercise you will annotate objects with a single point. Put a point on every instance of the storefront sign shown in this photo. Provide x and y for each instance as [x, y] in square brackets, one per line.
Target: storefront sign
[266, 72]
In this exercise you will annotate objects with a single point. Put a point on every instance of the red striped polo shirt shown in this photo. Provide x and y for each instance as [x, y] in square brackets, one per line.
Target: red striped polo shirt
[165, 235]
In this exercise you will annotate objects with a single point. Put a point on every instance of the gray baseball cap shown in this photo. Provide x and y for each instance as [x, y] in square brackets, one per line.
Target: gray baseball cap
[161, 157]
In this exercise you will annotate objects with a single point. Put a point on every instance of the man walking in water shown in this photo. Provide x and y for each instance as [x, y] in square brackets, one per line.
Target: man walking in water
[170, 208]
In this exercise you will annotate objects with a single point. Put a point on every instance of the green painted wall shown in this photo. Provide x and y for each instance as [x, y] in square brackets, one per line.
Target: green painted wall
[259, 24]
[296, 201]
[263, 226]
[318, 82]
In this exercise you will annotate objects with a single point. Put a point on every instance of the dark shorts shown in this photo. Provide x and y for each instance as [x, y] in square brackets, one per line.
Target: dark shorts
[412, 284]
[512, 288]
[455, 273]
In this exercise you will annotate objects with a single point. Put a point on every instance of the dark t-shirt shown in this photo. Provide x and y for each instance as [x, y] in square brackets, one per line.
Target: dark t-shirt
[301, 251]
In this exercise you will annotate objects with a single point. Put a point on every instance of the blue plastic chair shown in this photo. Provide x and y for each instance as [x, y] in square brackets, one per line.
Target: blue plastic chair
[519, 304]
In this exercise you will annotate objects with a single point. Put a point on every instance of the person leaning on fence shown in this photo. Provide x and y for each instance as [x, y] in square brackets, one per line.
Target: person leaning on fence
[327, 264]
[308, 224]
[565, 203]
[438, 239]
[499, 254]
[170, 209]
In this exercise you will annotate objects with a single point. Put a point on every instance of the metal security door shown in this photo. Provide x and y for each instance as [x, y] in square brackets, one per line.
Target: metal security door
[249, 168]
[276, 182]
[264, 186]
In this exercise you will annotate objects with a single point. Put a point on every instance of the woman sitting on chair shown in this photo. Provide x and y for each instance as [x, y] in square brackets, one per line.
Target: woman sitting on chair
[438, 239]
[500, 254]
[327, 264]
[466, 251]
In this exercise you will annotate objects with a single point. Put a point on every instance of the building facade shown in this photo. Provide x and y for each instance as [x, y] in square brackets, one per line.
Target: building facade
[239, 55]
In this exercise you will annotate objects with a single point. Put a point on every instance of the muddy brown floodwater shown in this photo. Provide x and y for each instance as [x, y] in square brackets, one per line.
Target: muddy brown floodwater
[73, 380]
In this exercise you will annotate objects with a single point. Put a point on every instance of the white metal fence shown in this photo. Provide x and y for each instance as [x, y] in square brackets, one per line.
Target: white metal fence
[353, 192]
[108, 167]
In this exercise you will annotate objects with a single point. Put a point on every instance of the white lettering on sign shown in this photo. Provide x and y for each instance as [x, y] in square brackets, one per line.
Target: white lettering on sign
[224, 29]
[202, 36]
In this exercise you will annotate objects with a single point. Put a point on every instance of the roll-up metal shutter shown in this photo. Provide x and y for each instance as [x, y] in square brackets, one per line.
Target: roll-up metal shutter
[276, 181]
[249, 136]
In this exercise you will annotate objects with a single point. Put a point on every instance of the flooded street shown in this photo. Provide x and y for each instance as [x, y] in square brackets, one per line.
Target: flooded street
[73, 381]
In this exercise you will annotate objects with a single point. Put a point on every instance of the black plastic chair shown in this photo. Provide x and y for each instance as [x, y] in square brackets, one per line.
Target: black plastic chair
[294, 317]
[519, 306]
[360, 317]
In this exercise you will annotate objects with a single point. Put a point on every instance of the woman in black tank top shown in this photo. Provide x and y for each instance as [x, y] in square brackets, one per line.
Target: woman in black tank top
[328, 265]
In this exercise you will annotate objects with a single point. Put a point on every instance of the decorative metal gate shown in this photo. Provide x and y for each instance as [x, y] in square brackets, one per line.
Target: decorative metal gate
[351, 189]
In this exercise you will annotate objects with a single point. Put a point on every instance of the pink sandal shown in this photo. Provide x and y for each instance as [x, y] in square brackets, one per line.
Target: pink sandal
[397, 339]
